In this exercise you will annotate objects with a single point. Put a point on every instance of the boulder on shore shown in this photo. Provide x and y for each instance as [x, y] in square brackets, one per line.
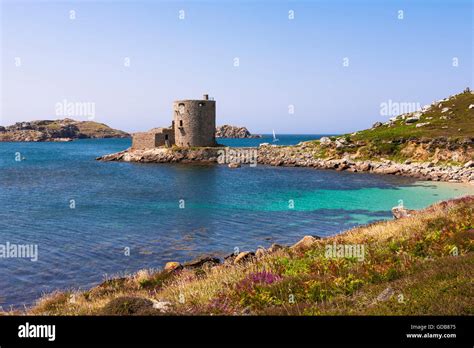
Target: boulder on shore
[325, 141]
[305, 243]
[172, 266]
[244, 256]
[399, 212]
[275, 247]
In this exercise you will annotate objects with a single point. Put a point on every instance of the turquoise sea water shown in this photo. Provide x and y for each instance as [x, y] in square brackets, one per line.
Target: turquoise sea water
[137, 206]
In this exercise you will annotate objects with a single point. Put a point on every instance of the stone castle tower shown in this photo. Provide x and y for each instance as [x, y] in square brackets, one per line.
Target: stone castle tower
[194, 122]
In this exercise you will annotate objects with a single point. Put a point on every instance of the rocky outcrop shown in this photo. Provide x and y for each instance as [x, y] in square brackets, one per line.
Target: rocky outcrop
[58, 130]
[293, 156]
[401, 212]
[305, 243]
[166, 155]
[244, 256]
[234, 165]
[172, 266]
[227, 131]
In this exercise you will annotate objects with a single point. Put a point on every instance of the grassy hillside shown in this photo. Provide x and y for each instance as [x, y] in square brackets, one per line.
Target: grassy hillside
[423, 264]
[443, 132]
[99, 130]
[450, 118]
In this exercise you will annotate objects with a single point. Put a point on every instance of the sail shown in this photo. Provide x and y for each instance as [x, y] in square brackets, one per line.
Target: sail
[274, 136]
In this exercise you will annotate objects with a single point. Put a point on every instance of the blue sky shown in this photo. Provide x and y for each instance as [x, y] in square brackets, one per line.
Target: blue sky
[283, 62]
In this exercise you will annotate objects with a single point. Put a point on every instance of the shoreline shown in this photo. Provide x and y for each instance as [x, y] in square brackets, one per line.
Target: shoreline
[296, 156]
[111, 293]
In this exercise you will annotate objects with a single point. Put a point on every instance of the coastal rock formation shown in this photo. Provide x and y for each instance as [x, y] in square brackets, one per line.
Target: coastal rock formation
[260, 253]
[227, 131]
[234, 165]
[166, 155]
[294, 156]
[305, 243]
[58, 130]
[243, 257]
[202, 261]
[275, 247]
[401, 212]
[173, 266]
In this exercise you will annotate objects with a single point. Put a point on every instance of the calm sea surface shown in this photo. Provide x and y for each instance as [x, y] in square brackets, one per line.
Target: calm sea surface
[137, 206]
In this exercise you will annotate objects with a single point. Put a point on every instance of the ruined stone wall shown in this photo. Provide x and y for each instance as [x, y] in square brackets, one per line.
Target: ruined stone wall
[152, 139]
[194, 122]
[143, 140]
[165, 137]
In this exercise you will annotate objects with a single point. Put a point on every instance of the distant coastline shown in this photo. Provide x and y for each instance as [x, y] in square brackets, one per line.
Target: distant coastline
[63, 130]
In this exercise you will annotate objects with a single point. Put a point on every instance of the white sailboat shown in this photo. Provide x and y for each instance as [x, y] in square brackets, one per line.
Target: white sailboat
[274, 137]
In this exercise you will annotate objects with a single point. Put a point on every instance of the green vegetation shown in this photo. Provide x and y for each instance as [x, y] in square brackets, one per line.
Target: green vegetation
[456, 122]
[94, 129]
[442, 133]
[420, 265]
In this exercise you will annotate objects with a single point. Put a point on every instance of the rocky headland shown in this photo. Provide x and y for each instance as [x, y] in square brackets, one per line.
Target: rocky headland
[58, 130]
[301, 156]
[166, 155]
[298, 156]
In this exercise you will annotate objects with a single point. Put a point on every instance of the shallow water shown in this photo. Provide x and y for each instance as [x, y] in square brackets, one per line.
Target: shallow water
[120, 205]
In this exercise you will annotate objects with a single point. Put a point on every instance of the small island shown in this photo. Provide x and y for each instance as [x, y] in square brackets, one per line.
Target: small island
[227, 131]
[58, 131]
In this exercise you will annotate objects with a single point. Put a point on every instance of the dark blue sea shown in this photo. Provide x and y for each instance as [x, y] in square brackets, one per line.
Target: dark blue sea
[83, 214]
[281, 139]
